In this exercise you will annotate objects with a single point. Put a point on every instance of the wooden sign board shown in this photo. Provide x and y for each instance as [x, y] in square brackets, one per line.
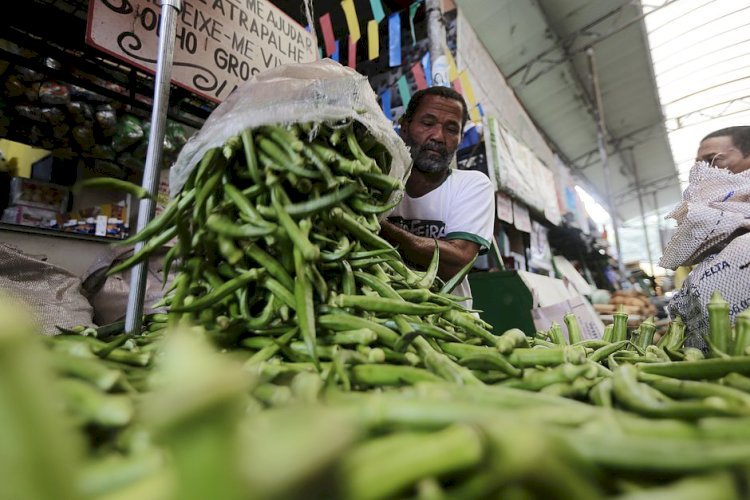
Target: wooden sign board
[218, 43]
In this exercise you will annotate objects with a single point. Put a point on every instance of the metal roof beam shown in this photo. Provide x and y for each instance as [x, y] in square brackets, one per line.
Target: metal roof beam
[628, 140]
[654, 186]
[718, 110]
[567, 42]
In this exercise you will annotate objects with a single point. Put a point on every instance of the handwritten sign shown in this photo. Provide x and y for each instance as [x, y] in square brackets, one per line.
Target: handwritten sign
[521, 217]
[218, 43]
[504, 207]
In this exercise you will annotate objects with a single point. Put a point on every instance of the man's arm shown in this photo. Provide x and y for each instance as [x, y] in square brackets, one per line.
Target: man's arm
[454, 254]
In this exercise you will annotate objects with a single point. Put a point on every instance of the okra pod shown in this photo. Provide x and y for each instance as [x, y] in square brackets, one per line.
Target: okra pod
[742, 333]
[92, 406]
[224, 226]
[429, 275]
[222, 291]
[556, 334]
[390, 375]
[88, 369]
[719, 326]
[510, 340]
[620, 325]
[341, 321]
[634, 396]
[386, 305]
[712, 368]
[270, 264]
[454, 281]
[534, 380]
[604, 352]
[303, 301]
[694, 389]
[574, 330]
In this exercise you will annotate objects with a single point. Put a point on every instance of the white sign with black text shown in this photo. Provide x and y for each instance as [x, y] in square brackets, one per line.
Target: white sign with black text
[218, 43]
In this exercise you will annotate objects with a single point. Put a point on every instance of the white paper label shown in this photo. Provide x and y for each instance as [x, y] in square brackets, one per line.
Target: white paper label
[504, 207]
[521, 217]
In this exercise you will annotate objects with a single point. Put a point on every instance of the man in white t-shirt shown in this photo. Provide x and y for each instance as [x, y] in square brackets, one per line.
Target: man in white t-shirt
[453, 207]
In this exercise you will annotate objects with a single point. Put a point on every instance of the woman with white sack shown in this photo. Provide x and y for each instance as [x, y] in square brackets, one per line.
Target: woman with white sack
[713, 232]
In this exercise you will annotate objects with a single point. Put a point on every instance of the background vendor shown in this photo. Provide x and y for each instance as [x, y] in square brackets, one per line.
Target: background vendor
[450, 206]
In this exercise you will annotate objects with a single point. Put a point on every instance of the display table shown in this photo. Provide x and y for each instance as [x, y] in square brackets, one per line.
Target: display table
[506, 300]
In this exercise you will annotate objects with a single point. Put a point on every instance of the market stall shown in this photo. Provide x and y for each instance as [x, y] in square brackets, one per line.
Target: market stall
[292, 352]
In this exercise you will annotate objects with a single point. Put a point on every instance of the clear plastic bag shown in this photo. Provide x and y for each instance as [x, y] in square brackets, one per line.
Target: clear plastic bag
[321, 91]
[129, 132]
[81, 112]
[107, 119]
[52, 92]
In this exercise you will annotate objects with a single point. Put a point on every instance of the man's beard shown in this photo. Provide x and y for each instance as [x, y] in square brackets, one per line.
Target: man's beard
[425, 158]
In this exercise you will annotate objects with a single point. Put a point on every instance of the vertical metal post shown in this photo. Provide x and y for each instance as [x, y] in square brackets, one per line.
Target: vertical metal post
[643, 214]
[436, 43]
[602, 144]
[658, 222]
[147, 207]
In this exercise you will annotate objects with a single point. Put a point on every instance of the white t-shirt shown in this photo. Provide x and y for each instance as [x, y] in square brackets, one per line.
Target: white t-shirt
[461, 208]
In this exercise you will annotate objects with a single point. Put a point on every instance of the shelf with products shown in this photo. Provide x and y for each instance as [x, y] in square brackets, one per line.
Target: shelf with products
[45, 105]
[41, 231]
[85, 115]
[41, 198]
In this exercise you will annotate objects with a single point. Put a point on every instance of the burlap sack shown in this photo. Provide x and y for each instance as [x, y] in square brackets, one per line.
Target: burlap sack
[53, 293]
[109, 294]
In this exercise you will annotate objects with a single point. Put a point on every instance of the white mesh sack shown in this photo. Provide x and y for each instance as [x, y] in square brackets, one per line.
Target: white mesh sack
[728, 272]
[320, 91]
[715, 205]
[713, 221]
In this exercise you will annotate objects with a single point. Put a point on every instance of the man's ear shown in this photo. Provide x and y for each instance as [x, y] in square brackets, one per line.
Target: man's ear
[402, 126]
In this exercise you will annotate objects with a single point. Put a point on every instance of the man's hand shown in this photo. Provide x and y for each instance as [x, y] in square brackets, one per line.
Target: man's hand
[454, 254]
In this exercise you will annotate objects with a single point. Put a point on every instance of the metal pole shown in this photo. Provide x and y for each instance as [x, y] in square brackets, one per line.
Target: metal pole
[147, 206]
[601, 143]
[658, 222]
[436, 43]
[643, 214]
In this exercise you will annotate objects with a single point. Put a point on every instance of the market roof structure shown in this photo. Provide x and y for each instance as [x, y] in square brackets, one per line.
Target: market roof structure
[668, 72]
[548, 51]
[701, 55]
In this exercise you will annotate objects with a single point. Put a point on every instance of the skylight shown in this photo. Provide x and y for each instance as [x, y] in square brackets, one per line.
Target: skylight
[701, 56]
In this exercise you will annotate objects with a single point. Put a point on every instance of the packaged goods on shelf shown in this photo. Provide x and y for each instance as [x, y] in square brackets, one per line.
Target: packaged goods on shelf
[45, 195]
[109, 219]
[30, 216]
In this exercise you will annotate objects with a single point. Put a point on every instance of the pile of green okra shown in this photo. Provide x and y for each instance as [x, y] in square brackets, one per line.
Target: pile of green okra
[302, 358]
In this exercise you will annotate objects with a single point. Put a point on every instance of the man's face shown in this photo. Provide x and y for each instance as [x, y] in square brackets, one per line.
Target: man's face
[721, 152]
[433, 133]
